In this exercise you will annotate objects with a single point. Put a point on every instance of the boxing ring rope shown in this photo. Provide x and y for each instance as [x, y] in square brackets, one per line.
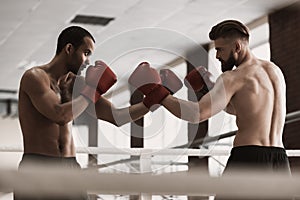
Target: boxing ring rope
[147, 184]
[178, 150]
[67, 182]
[290, 118]
[147, 152]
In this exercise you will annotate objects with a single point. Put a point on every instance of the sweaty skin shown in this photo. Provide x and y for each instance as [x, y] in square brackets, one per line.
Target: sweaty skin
[254, 92]
[259, 103]
[46, 114]
[42, 134]
[43, 117]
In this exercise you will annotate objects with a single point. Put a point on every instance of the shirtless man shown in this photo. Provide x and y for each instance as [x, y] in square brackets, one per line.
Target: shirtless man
[46, 107]
[52, 95]
[254, 91]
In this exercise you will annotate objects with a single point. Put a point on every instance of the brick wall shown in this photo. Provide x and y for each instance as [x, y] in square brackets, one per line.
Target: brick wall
[285, 52]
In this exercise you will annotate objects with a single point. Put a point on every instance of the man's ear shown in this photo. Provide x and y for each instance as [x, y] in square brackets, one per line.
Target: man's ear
[238, 46]
[69, 48]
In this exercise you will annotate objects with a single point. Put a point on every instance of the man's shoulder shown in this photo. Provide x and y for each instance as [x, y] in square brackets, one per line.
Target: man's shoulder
[33, 77]
[272, 65]
[232, 80]
[35, 73]
[229, 75]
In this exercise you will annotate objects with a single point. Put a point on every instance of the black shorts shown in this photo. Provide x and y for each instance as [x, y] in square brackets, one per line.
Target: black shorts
[43, 161]
[262, 158]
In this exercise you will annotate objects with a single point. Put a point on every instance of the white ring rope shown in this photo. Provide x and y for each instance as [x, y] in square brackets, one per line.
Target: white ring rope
[68, 181]
[60, 181]
[290, 117]
[147, 152]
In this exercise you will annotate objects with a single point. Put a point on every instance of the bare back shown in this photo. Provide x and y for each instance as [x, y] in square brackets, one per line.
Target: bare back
[40, 134]
[259, 103]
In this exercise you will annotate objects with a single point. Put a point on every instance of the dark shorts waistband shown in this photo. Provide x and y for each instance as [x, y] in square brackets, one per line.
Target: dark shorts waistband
[45, 160]
[46, 157]
[266, 149]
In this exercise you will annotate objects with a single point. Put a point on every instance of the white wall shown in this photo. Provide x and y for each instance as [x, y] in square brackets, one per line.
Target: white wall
[10, 136]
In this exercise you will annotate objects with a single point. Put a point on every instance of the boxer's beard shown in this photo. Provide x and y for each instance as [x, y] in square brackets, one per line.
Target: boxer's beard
[81, 68]
[229, 64]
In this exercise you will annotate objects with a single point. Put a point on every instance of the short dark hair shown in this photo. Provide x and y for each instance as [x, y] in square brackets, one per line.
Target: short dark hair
[229, 29]
[73, 35]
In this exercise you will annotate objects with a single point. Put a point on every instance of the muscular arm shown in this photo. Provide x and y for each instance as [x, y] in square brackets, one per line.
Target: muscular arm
[210, 104]
[36, 84]
[103, 109]
[106, 111]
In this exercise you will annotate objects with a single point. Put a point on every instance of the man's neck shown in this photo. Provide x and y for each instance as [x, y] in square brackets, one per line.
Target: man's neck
[244, 57]
[56, 68]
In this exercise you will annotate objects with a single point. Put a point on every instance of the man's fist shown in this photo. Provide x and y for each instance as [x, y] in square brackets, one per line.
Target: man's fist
[147, 80]
[170, 80]
[198, 78]
[99, 79]
[66, 84]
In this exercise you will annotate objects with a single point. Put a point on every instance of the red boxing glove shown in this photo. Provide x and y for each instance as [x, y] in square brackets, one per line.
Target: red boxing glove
[99, 79]
[148, 81]
[144, 78]
[198, 78]
[170, 81]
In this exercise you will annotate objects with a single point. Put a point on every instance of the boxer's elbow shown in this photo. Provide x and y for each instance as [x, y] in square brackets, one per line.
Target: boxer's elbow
[62, 115]
[114, 122]
[117, 124]
[190, 113]
[196, 116]
[204, 114]
[196, 120]
[62, 122]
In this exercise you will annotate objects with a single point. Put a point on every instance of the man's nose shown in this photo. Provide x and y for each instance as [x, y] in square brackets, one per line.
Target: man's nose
[217, 56]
